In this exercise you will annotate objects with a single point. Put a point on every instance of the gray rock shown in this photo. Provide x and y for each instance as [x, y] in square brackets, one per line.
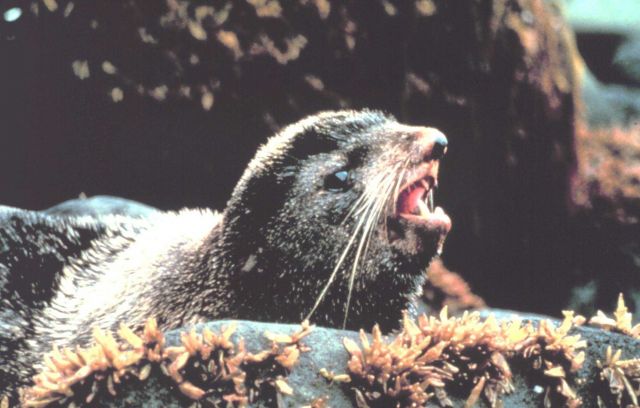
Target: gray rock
[610, 105]
[627, 59]
[101, 205]
[328, 352]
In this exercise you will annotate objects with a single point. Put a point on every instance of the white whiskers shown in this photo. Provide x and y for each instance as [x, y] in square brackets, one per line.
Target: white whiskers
[366, 211]
[372, 216]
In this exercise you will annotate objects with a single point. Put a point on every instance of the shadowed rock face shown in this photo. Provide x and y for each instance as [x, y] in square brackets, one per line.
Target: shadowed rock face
[204, 84]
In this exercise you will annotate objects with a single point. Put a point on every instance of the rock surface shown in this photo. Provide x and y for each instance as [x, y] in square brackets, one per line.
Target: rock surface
[100, 205]
[328, 352]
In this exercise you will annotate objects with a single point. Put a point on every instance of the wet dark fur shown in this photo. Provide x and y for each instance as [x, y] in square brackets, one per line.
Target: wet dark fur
[266, 258]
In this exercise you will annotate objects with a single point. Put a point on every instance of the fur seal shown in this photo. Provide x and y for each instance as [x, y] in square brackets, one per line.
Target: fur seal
[333, 219]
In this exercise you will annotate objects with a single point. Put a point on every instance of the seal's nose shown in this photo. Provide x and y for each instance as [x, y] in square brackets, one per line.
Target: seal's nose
[433, 143]
[440, 143]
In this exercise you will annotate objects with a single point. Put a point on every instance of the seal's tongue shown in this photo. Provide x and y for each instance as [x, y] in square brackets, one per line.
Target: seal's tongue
[415, 206]
[408, 202]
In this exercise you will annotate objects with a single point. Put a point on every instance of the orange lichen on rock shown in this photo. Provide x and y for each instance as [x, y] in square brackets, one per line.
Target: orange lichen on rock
[467, 355]
[294, 47]
[622, 380]
[267, 8]
[608, 177]
[318, 403]
[621, 323]
[446, 288]
[80, 374]
[230, 40]
[205, 366]
[556, 354]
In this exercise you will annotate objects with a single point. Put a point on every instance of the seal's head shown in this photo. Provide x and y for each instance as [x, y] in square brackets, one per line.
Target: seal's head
[334, 218]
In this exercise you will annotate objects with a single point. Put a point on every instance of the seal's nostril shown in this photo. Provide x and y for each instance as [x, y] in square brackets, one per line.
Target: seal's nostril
[439, 147]
[432, 144]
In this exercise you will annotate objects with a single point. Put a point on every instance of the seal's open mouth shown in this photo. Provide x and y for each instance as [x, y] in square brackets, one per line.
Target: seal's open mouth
[416, 214]
[416, 198]
[415, 201]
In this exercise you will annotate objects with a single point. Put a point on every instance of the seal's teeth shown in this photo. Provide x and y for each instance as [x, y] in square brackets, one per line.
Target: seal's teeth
[430, 202]
[424, 209]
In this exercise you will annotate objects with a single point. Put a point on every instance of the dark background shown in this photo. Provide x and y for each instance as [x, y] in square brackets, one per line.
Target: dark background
[503, 183]
[62, 136]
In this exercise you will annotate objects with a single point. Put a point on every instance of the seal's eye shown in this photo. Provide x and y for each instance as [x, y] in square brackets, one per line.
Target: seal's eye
[338, 181]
